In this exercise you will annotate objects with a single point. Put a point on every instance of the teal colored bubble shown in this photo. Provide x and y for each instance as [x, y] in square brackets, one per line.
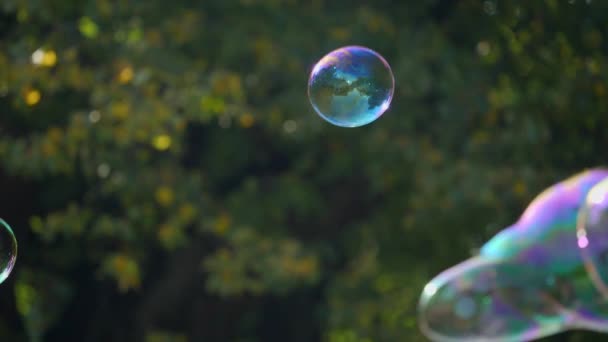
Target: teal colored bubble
[8, 250]
[351, 86]
[545, 274]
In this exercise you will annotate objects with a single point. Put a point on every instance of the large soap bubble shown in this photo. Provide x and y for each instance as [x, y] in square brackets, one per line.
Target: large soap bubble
[535, 278]
[351, 86]
[592, 239]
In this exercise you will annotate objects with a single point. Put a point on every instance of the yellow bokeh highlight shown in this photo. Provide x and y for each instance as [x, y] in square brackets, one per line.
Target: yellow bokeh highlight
[32, 97]
[126, 271]
[49, 58]
[213, 104]
[120, 110]
[162, 142]
[164, 196]
[45, 58]
[246, 120]
[88, 27]
[120, 263]
[125, 75]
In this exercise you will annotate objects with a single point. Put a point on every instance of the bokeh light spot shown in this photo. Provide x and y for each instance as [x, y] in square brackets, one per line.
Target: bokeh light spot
[103, 170]
[164, 196]
[44, 58]
[483, 48]
[32, 97]
[290, 126]
[94, 116]
[162, 142]
[88, 27]
[125, 75]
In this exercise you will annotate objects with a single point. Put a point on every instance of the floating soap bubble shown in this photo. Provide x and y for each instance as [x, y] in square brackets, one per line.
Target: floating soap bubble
[538, 277]
[592, 239]
[8, 250]
[351, 86]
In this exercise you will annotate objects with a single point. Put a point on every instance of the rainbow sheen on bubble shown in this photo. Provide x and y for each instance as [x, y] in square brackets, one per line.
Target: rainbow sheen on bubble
[8, 250]
[351, 86]
[592, 240]
[532, 279]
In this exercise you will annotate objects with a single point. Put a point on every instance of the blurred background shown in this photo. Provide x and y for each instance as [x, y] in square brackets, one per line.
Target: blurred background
[168, 180]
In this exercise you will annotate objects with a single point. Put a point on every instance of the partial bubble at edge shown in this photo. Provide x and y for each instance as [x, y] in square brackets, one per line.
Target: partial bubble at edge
[6, 266]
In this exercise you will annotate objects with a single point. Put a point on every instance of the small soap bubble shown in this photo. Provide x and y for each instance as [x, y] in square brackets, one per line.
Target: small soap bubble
[8, 250]
[351, 86]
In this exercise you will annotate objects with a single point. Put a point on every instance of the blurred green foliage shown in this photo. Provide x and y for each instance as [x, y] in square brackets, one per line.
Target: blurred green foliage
[168, 181]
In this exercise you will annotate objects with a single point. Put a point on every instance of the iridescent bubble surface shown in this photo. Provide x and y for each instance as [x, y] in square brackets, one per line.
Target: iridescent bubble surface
[351, 86]
[592, 239]
[532, 279]
[8, 250]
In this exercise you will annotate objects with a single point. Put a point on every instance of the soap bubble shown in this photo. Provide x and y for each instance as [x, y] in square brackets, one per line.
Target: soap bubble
[536, 278]
[351, 86]
[8, 250]
[592, 239]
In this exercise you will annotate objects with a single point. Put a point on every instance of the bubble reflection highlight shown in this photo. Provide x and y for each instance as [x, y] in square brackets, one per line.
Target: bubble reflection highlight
[538, 277]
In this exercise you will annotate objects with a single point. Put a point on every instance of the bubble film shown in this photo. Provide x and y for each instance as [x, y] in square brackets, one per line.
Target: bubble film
[351, 86]
[592, 239]
[8, 250]
[532, 279]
